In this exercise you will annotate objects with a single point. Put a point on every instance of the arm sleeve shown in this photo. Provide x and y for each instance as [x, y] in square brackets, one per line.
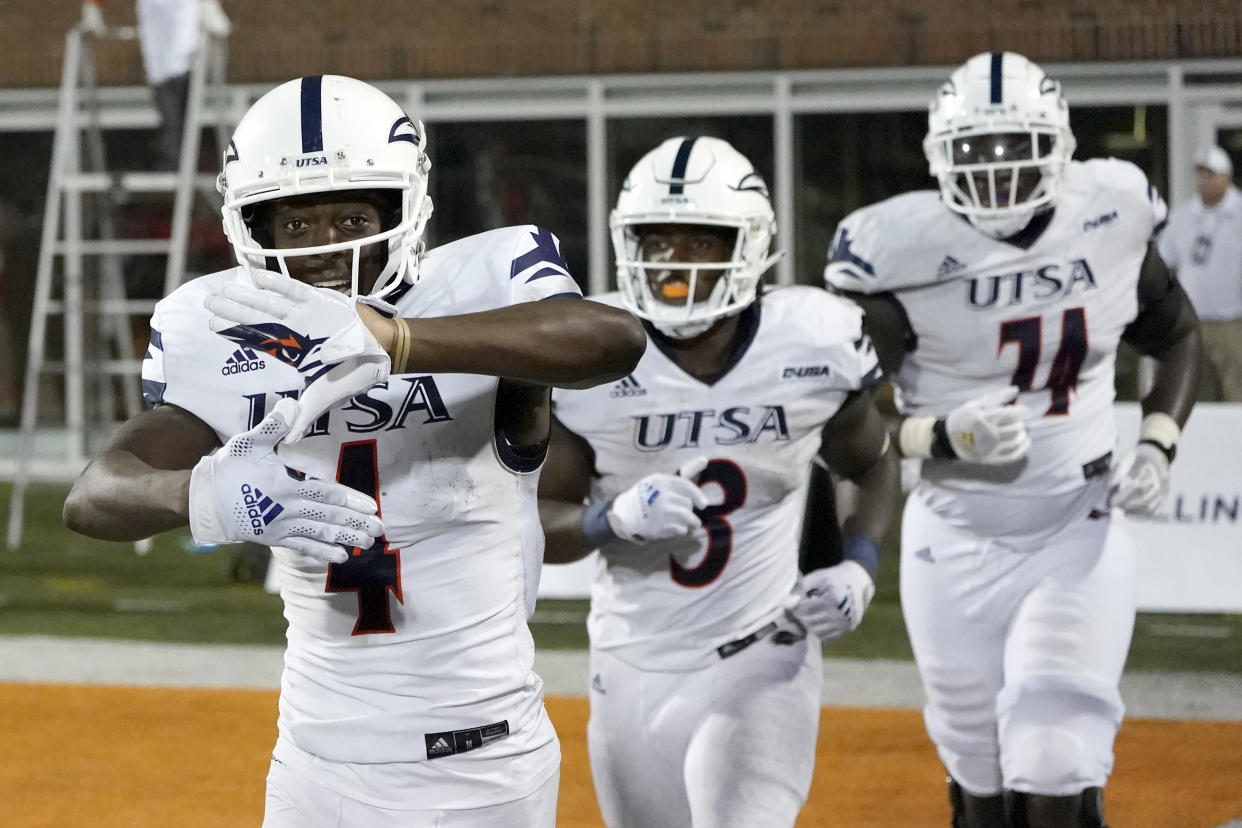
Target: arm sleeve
[1168, 243]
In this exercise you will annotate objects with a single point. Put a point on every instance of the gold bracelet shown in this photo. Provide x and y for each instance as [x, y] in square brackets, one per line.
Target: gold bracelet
[401, 346]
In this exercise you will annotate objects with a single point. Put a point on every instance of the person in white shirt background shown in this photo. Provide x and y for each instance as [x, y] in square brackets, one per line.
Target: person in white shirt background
[1203, 244]
[169, 33]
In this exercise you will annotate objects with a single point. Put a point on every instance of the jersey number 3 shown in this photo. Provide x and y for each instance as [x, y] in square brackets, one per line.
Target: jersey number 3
[1027, 334]
[375, 571]
[730, 478]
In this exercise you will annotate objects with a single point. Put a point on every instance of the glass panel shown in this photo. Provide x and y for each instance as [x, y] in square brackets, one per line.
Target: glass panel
[21, 216]
[496, 174]
[1139, 134]
[846, 161]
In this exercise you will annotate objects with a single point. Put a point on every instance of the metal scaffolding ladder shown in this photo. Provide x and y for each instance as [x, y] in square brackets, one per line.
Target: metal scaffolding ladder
[99, 368]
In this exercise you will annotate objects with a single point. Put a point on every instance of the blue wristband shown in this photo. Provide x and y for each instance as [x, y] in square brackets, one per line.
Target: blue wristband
[863, 551]
[595, 526]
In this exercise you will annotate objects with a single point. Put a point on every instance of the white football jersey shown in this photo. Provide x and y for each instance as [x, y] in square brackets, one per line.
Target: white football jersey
[986, 314]
[759, 425]
[414, 642]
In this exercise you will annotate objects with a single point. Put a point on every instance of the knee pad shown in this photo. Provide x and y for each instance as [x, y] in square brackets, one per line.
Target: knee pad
[1056, 734]
[969, 755]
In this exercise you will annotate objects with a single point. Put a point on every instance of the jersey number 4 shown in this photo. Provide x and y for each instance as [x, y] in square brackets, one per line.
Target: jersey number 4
[730, 478]
[375, 571]
[1027, 334]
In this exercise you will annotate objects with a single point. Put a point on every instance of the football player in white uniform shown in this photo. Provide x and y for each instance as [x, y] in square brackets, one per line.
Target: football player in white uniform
[689, 477]
[368, 438]
[997, 307]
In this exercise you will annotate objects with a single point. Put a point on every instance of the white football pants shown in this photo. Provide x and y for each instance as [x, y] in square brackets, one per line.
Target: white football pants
[729, 746]
[295, 801]
[1020, 649]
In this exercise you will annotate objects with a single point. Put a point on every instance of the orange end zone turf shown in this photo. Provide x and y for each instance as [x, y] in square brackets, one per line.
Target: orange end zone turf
[114, 757]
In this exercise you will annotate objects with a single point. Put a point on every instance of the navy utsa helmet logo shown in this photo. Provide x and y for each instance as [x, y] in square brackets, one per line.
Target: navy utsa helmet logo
[288, 346]
[409, 132]
[752, 182]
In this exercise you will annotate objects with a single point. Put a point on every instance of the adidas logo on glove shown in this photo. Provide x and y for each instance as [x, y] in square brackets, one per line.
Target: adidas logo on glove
[260, 508]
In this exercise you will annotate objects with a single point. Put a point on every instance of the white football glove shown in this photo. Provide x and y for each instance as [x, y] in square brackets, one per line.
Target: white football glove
[990, 429]
[243, 492]
[830, 602]
[660, 506]
[1140, 482]
[316, 330]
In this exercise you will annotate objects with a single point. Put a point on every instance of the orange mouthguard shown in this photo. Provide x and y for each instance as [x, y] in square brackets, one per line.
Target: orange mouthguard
[674, 290]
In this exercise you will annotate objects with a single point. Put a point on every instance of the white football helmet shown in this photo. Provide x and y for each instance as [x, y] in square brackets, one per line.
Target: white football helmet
[695, 181]
[998, 141]
[328, 133]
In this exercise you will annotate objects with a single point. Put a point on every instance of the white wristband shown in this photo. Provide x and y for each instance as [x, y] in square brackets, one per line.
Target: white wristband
[1162, 431]
[1160, 428]
[915, 437]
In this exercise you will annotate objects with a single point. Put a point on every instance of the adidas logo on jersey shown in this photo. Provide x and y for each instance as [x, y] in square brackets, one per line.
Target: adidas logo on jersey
[440, 747]
[242, 361]
[948, 267]
[260, 509]
[627, 386]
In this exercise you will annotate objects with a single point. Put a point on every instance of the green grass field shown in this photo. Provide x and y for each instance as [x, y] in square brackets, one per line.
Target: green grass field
[63, 584]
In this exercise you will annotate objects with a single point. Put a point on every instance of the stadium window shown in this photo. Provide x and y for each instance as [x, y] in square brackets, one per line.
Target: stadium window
[500, 173]
[1139, 134]
[843, 161]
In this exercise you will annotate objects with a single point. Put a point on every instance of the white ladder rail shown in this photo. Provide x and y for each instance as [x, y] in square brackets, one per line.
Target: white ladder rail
[63, 236]
[36, 342]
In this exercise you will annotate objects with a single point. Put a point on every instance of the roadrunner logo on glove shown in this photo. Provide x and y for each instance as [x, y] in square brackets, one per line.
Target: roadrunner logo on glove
[260, 508]
[288, 346]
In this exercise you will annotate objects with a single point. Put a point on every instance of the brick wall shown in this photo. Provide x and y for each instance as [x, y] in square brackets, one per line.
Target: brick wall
[462, 38]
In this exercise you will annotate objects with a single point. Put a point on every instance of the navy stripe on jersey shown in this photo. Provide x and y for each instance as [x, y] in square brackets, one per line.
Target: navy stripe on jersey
[998, 59]
[565, 295]
[312, 113]
[547, 271]
[544, 252]
[873, 376]
[842, 254]
[153, 392]
[679, 166]
[157, 339]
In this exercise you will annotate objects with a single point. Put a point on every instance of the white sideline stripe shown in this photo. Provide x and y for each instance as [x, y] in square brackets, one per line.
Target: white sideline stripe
[1189, 630]
[879, 683]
